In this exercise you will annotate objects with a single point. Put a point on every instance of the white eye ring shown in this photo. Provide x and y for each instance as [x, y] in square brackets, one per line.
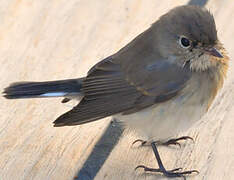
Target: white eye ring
[184, 42]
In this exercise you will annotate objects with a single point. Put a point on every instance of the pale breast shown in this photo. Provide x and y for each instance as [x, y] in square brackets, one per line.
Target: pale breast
[167, 119]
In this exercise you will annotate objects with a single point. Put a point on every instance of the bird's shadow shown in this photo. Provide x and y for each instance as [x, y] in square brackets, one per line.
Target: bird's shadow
[198, 2]
[100, 152]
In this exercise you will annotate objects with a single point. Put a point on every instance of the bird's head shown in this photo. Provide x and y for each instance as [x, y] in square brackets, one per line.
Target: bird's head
[188, 35]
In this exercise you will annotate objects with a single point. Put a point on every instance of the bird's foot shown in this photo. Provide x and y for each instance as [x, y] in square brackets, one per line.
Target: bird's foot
[171, 173]
[167, 143]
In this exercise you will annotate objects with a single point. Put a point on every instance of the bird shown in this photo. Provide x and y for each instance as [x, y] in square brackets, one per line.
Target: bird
[160, 84]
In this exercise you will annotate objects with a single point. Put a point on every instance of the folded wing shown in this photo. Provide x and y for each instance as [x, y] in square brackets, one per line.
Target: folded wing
[129, 81]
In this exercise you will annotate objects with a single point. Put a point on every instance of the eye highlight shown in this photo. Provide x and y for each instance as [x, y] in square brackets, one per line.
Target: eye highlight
[184, 42]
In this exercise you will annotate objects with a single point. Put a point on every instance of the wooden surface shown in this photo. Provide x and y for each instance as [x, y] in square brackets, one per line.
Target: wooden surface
[58, 39]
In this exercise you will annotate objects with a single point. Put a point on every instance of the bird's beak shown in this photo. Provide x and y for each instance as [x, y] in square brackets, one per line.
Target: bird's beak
[214, 52]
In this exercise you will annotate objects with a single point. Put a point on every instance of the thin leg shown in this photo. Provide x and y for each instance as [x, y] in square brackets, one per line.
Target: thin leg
[171, 173]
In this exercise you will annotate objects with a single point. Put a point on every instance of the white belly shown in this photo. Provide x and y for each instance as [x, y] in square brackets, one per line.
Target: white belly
[167, 119]
[163, 121]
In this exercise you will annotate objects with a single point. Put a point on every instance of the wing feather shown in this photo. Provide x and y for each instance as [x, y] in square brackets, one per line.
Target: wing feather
[133, 79]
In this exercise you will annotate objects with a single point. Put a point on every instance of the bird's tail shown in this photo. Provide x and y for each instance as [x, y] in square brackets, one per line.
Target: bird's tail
[60, 88]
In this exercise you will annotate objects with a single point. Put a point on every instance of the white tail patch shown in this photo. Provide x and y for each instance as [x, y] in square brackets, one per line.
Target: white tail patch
[54, 94]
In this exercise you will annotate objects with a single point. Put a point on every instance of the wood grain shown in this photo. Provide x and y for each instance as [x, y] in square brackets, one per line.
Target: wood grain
[58, 39]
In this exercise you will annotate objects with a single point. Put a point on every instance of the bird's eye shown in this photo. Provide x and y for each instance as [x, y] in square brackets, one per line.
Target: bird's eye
[184, 42]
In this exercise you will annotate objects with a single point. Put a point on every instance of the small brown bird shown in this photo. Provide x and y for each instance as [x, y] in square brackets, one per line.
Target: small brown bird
[161, 83]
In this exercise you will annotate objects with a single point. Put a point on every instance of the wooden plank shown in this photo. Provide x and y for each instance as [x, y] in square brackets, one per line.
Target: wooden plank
[46, 40]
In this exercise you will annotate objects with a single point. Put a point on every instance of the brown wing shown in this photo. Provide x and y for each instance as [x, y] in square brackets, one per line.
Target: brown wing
[106, 93]
[131, 80]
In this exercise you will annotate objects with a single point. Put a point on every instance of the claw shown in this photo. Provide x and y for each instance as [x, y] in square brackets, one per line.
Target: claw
[140, 166]
[190, 172]
[175, 141]
[147, 169]
[177, 169]
[172, 143]
[185, 138]
[139, 140]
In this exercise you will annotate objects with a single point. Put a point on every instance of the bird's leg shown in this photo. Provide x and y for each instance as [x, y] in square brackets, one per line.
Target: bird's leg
[162, 143]
[168, 173]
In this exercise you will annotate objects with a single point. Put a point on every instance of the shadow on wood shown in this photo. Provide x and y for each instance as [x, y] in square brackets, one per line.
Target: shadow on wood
[198, 2]
[101, 152]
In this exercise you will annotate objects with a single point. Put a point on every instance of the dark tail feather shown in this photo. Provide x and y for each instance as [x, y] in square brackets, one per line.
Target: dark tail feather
[43, 89]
